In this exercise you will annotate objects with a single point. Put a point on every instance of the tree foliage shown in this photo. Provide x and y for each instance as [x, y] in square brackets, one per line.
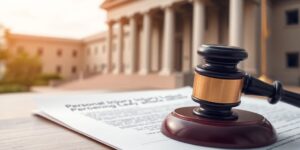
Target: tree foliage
[22, 69]
[3, 54]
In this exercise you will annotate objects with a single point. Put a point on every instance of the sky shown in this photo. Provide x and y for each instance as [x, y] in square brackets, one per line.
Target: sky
[59, 18]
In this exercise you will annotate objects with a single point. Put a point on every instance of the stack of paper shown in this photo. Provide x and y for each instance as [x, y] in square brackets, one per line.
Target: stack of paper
[132, 120]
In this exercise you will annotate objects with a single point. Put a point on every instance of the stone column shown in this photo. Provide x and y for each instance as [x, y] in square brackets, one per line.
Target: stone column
[132, 45]
[236, 23]
[146, 47]
[109, 37]
[168, 42]
[198, 29]
[118, 59]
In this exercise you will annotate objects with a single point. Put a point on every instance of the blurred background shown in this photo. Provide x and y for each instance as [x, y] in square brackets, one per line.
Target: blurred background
[140, 44]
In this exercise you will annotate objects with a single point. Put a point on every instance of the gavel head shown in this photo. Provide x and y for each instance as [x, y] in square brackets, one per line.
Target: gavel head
[218, 82]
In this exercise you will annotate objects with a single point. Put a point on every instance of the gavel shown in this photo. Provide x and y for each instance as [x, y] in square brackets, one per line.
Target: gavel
[218, 86]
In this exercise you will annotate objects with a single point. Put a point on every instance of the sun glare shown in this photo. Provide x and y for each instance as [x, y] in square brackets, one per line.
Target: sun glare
[64, 18]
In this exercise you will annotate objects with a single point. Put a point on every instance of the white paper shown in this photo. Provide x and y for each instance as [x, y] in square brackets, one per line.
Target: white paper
[132, 120]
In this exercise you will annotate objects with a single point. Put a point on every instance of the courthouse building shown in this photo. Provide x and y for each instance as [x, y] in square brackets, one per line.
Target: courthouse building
[161, 37]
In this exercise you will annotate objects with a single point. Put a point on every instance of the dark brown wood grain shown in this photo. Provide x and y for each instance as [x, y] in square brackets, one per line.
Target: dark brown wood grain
[249, 130]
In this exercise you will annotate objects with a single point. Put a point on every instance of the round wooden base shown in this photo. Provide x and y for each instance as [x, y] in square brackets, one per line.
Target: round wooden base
[250, 130]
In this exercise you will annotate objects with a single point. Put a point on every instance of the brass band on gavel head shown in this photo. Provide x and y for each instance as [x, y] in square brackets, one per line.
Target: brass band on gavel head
[215, 90]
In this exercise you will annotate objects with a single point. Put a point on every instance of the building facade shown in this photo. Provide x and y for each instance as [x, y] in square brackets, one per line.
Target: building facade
[69, 58]
[58, 55]
[162, 36]
[155, 36]
[3, 44]
[94, 48]
[3, 33]
[284, 45]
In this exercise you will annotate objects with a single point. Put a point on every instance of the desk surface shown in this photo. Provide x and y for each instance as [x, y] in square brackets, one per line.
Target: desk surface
[33, 132]
[20, 130]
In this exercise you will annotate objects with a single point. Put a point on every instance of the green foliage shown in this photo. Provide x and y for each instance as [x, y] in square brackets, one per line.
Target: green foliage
[44, 79]
[50, 76]
[4, 54]
[22, 72]
[10, 88]
[22, 69]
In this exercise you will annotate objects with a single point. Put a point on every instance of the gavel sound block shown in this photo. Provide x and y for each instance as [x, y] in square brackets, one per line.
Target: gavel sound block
[218, 86]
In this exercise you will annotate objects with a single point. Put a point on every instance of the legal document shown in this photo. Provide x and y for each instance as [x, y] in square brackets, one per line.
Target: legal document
[132, 120]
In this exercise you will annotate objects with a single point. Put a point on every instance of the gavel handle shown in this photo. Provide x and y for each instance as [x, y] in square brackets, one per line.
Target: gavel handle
[275, 92]
[291, 98]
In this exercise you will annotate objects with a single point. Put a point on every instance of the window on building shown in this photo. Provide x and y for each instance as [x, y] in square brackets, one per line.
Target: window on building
[103, 66]
[74, 53]
[88, 51]
[96, 50]
[114, 47]
[40, 51]
[292, 59]
[74, 70]
[95, 68]
[87, 68]
[113, 66]
[100, 67]
[59, 53]
[58, 69]
[103, 49]
[292, 17]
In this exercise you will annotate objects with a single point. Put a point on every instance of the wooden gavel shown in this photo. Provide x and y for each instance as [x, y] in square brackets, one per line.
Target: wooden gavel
[218, 83]
[218, 86]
